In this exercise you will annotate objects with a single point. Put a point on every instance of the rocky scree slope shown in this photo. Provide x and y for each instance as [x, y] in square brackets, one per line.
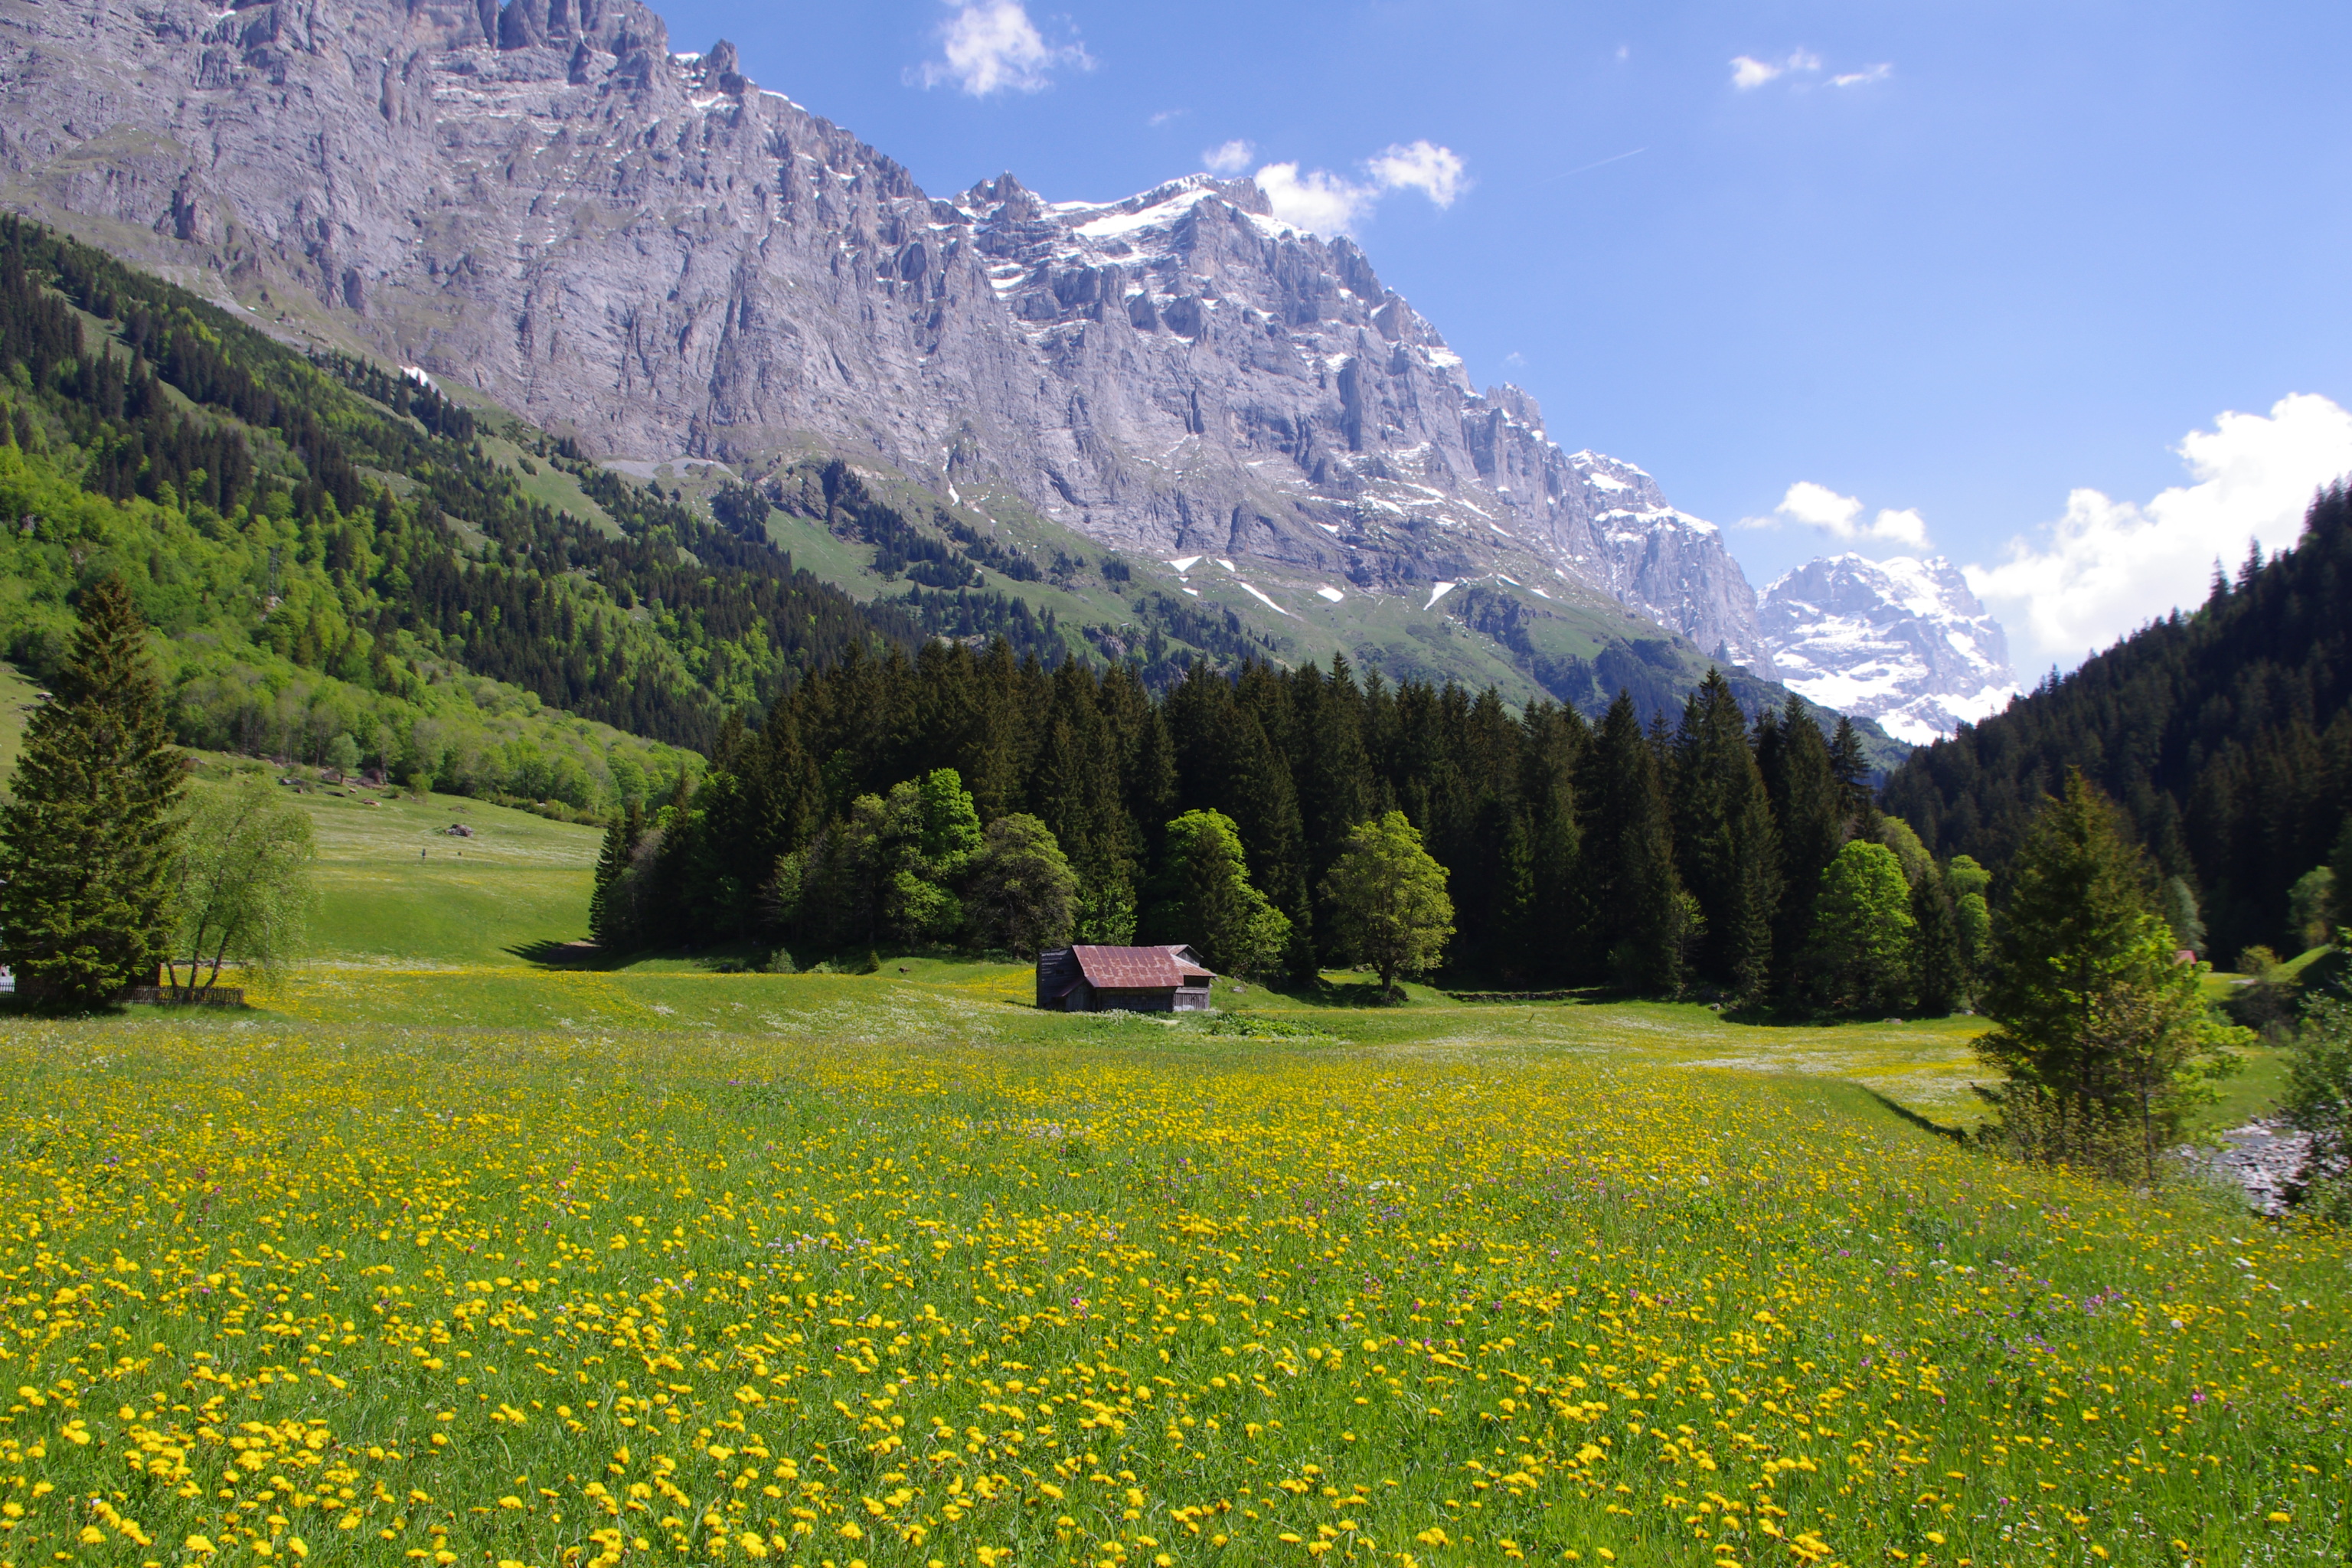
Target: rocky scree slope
[1902, 641]
[649, 253]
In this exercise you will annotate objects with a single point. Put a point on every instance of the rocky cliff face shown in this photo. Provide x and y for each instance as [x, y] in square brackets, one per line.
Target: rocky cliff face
[1901, 641]
[648, 251]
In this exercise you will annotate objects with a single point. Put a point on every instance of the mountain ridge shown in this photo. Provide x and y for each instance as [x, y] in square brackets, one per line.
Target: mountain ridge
[650, 254]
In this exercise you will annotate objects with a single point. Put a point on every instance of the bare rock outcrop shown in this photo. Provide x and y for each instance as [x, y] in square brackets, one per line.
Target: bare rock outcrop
[649, 252]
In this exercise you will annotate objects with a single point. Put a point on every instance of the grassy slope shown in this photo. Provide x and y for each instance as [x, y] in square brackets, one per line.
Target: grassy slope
[16, 707]
[396, 890]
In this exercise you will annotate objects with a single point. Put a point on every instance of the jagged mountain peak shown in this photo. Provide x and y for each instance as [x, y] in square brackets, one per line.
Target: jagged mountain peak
[1903, 640]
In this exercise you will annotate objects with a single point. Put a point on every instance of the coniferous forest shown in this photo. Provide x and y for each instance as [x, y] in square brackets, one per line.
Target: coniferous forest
[1658, 859]
[2225, 734]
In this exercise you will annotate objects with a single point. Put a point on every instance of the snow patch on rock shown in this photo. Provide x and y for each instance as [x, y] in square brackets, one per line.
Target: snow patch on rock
[1901, 641]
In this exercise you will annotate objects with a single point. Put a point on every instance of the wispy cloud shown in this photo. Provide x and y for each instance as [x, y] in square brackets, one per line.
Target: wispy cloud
[1803, 69]
[1327, 202]
[2106, 566]
[991, 45]
[1749, 73]
[1165, 115]
[1229, 158]
[1818, 506]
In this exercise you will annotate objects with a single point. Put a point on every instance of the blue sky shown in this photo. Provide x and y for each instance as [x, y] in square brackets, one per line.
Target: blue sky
[1972, 274]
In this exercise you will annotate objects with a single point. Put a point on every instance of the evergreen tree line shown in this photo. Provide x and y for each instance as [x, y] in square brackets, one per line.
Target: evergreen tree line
[1652, 858]
[2225, 735]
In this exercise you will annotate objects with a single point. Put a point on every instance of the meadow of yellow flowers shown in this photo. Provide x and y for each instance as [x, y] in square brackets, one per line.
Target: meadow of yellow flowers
[279, 1290]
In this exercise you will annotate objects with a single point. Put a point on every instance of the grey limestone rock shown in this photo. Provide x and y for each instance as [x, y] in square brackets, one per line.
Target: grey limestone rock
[647, 251]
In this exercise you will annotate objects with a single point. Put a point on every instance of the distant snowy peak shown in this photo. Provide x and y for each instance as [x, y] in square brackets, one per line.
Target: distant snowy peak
[1902, 641]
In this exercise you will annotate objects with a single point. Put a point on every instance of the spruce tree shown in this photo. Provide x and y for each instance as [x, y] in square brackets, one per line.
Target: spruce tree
[608, 925]
[1939, 977]
[1851, 767]
[1639, 915]
[86, 842]
[1725, 845]
[1555, 739]
[1806, 811]
[2105, 1041]
[1077, 794]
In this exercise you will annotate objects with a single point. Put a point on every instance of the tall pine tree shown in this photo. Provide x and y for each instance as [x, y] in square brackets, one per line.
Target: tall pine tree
[608, 925]
[1807, 811]
[86, 842]
[1638, 917]
[1725, 845]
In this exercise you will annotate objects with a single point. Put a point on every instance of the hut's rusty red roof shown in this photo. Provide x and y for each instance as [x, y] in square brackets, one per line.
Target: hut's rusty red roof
[1138, 968]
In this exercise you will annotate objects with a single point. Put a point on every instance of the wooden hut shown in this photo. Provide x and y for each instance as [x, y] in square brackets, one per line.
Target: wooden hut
[1133, 979]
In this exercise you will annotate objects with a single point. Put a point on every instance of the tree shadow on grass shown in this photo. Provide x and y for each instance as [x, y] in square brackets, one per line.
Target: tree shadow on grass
[1324, 993]
[1956, 1134]
[582, 955]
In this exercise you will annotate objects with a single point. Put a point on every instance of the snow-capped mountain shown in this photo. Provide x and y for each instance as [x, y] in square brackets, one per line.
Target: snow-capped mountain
[1901, 641]
[648, 252]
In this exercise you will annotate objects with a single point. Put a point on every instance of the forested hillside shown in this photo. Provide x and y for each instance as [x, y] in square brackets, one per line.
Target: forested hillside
[326, 547]
[2224, 733]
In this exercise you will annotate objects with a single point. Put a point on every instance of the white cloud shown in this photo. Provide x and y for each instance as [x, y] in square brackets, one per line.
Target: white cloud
[1165, 115]
[1231, 158]
[1435, 172]
[1749, 73]
[990, 46]
[1820, 507]
[2108, 566]
[1317, 199]
[1332, 204]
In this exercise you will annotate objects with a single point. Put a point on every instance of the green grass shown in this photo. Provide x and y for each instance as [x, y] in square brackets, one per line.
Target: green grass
[903, 1273]
[16, 703]
[395, 890]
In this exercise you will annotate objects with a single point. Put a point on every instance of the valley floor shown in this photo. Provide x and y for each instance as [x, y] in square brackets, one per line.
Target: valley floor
[441, 1255]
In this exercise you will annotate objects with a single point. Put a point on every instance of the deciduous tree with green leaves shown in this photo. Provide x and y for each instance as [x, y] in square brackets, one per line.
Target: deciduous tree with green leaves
[1204, 896]
[1860, 957]
[1968, 882]
[1023, 895]
[2318, 1103]
[1388, 898]
[240, 884]
[86, 842]
[2104, 1042]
